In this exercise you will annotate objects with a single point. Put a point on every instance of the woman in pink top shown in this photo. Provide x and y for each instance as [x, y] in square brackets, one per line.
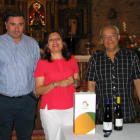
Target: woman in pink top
[57, 76]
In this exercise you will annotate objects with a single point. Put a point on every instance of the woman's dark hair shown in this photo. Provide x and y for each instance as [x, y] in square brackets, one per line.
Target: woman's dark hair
[47, 55]
[14, 13]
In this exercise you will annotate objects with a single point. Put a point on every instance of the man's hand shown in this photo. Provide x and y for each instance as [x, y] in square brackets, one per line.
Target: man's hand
[137, 86]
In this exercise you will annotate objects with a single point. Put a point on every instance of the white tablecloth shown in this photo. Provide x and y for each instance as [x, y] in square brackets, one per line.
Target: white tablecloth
[129, 132]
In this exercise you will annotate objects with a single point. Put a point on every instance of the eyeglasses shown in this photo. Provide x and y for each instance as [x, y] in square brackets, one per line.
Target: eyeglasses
[112, 36]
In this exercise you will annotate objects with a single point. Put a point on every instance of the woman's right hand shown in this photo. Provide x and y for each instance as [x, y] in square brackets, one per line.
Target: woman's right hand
[63, 83]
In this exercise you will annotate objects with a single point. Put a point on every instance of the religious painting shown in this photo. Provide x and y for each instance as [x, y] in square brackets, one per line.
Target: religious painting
[74, 24]
[36, 15]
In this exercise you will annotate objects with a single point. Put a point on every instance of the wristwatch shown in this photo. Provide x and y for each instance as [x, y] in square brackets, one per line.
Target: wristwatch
[53, 83]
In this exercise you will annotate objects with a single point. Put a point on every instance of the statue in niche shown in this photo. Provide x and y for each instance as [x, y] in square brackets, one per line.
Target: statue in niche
[112, 14]
[37, 19]
[72, 26]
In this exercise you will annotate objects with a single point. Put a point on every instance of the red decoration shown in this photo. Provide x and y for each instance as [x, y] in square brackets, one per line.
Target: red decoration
[48, 51]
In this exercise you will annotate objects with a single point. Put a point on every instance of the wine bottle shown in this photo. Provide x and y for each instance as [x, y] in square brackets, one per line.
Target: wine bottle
[107, 123]
[118, 118]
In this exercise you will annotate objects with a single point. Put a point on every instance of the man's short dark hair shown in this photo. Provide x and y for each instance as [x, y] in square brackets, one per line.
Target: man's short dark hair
[14, 13]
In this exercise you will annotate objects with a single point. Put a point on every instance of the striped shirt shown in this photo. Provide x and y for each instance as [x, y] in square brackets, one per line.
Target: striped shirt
[115, 79]
[17, 65]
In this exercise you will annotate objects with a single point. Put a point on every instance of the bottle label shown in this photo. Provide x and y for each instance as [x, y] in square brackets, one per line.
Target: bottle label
[119, 122]
[107, 125]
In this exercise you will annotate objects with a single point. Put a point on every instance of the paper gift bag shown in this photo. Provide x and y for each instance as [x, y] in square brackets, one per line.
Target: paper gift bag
[84, 113]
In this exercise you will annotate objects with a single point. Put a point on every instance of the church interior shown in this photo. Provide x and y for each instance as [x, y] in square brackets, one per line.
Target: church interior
[80, 22]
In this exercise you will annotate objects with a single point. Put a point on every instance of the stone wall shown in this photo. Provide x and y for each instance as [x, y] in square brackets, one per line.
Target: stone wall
[115, 12]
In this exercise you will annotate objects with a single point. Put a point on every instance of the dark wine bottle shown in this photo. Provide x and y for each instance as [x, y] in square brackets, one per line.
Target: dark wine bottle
[107, 123]
[118, 117]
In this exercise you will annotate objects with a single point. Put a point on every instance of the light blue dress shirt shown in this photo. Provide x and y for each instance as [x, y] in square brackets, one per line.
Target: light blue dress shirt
[17, 65]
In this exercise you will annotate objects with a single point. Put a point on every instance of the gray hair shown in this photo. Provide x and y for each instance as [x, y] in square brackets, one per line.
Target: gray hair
[116, 28]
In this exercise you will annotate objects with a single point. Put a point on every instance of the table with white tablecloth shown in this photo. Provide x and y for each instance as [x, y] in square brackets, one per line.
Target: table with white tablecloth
[130, 132]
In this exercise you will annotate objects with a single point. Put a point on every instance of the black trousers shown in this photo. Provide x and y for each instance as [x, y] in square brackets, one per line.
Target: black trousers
[19, 112]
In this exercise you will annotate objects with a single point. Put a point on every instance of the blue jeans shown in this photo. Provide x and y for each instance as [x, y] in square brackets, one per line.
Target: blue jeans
[19, 112]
